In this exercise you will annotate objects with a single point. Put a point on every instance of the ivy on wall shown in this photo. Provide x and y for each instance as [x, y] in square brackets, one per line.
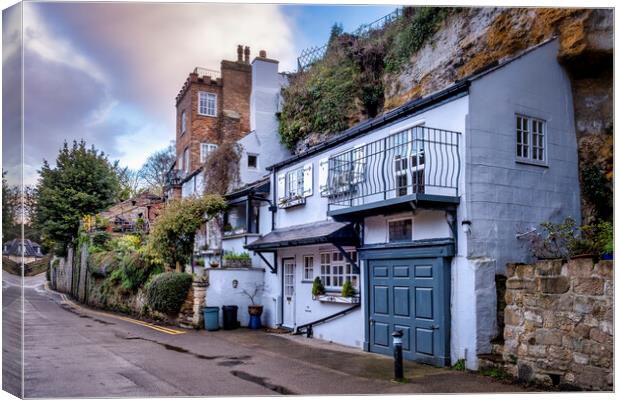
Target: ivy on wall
[346, 85]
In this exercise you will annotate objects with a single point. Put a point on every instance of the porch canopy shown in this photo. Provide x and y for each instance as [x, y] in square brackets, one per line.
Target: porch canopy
[324, 232]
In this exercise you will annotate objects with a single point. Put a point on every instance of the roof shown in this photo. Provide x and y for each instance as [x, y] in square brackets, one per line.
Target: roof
[258, 186]
[300, 235]
[30, 248]
[412, 106]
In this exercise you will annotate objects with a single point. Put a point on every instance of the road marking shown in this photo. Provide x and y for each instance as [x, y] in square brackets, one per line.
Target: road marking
[158, 328]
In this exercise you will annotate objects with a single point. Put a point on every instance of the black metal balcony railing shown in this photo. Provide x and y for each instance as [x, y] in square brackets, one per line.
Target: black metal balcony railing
[415, 161]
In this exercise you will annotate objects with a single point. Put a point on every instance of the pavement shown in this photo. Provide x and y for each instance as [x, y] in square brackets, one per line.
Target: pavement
[74, 351]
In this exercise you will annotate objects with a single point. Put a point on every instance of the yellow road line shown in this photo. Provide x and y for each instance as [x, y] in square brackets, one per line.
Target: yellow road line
[158, 328]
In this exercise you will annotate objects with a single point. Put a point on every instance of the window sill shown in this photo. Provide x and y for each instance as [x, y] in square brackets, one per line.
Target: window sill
[534, 163]
[239, 235]
[334, 298]
[207, 115]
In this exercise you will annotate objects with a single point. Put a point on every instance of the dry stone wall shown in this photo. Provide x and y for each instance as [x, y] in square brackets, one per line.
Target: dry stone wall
[559, 323]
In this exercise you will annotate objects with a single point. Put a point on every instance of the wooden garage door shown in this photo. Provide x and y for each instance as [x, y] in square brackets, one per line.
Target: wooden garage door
[406, 294]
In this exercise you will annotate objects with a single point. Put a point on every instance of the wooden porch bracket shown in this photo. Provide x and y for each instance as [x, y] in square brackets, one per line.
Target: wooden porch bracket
[273, 268]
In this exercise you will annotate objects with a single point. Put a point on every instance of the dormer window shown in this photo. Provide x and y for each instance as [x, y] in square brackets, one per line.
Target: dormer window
[207, 104]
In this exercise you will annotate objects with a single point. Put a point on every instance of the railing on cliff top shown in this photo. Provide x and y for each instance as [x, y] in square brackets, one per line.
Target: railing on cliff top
[309, 56]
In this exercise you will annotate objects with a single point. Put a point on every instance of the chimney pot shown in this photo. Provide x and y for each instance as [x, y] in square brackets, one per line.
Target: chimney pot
[239, 53]
[246, 53]
[262, 54]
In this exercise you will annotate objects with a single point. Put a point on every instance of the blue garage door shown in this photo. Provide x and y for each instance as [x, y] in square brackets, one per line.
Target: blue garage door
[409, 294]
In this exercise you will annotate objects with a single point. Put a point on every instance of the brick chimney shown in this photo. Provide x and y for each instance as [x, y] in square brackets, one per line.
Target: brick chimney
[262, 54]
[239, 53]
[246, 53]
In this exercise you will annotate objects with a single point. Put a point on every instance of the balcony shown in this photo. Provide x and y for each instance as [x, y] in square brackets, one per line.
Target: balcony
[419, 166]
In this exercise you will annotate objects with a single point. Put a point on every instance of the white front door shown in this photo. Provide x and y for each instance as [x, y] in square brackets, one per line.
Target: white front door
[288, 318]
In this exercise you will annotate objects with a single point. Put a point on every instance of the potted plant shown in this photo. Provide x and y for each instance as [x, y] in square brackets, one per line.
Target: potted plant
[255, 310]
[317, 288]
[214, 264]
[347, 289]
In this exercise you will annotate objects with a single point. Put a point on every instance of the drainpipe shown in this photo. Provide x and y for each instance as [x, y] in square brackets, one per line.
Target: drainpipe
[273, 200]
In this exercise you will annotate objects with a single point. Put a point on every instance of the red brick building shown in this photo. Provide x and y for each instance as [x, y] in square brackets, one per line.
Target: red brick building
[213, 107]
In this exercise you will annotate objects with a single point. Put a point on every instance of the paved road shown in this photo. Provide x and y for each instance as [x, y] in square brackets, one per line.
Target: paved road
[70, 351]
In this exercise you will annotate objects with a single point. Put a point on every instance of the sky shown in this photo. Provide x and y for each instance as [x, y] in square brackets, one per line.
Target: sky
[108, 73]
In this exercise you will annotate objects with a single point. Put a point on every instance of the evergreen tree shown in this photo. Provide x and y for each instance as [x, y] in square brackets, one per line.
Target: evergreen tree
[83, 182]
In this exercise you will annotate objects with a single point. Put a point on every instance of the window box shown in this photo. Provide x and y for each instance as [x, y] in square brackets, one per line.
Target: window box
[336, 298]
[292, 201]
[237, 263]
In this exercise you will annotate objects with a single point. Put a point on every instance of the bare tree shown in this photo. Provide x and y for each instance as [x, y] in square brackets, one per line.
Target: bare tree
[130, 181]
[154, 170]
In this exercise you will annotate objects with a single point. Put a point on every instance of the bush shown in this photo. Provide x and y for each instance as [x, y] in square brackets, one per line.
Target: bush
[166, 292]
[232, 256]
[100, 239]
[567, 239]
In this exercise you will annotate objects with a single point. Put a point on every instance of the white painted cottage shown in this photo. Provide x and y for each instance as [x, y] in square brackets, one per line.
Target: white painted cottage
[418, 208]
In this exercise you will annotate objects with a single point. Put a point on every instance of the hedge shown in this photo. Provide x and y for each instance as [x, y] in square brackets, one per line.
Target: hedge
[166, 292]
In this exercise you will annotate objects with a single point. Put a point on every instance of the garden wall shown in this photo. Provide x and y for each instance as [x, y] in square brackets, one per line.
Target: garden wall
[86, 283]
[559, 323]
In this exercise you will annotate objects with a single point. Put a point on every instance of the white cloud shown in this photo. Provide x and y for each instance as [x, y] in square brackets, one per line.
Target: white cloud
[109, 72]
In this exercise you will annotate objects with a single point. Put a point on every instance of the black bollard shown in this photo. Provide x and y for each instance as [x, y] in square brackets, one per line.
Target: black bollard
[398, 355]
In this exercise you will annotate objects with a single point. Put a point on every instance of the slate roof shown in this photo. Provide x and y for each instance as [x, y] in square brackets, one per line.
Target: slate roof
[299, 235]
[11, 248]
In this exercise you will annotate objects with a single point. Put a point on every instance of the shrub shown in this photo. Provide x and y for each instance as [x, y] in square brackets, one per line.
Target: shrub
[172, 238]
[232, 256]
[100, 239]
[566, 239]
[347, 289]
[413, 32]
[166, 292]
[317, 287]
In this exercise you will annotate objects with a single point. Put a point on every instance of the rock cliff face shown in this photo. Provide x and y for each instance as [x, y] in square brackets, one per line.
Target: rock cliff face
[474, 38]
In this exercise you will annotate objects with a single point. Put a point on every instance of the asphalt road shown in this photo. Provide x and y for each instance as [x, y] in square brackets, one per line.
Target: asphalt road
[71, 351]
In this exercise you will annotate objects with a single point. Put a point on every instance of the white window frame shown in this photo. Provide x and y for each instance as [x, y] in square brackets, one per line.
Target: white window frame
[209, 110]
[336, 270]
[308, 270]
[389, 221]
[205, 150]
[183, 122]
[186, 158]
[403, 165]
[294, 184]
[255, 155]
[525, 138]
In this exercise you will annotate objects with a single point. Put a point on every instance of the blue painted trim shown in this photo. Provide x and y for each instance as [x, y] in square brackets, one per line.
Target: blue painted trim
[410, 201]
[416, 249]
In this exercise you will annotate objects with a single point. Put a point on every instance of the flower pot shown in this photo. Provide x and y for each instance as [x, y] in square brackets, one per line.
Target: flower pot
[255, 309]
[255, 312]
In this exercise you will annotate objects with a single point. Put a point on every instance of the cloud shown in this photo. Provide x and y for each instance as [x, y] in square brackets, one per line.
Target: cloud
[109, 72]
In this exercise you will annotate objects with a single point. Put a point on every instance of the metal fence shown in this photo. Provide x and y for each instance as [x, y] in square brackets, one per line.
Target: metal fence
[419, 160]
[309, 56]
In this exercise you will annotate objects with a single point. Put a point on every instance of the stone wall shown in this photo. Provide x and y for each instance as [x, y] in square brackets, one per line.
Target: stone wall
[559, 323]
[190, 315]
